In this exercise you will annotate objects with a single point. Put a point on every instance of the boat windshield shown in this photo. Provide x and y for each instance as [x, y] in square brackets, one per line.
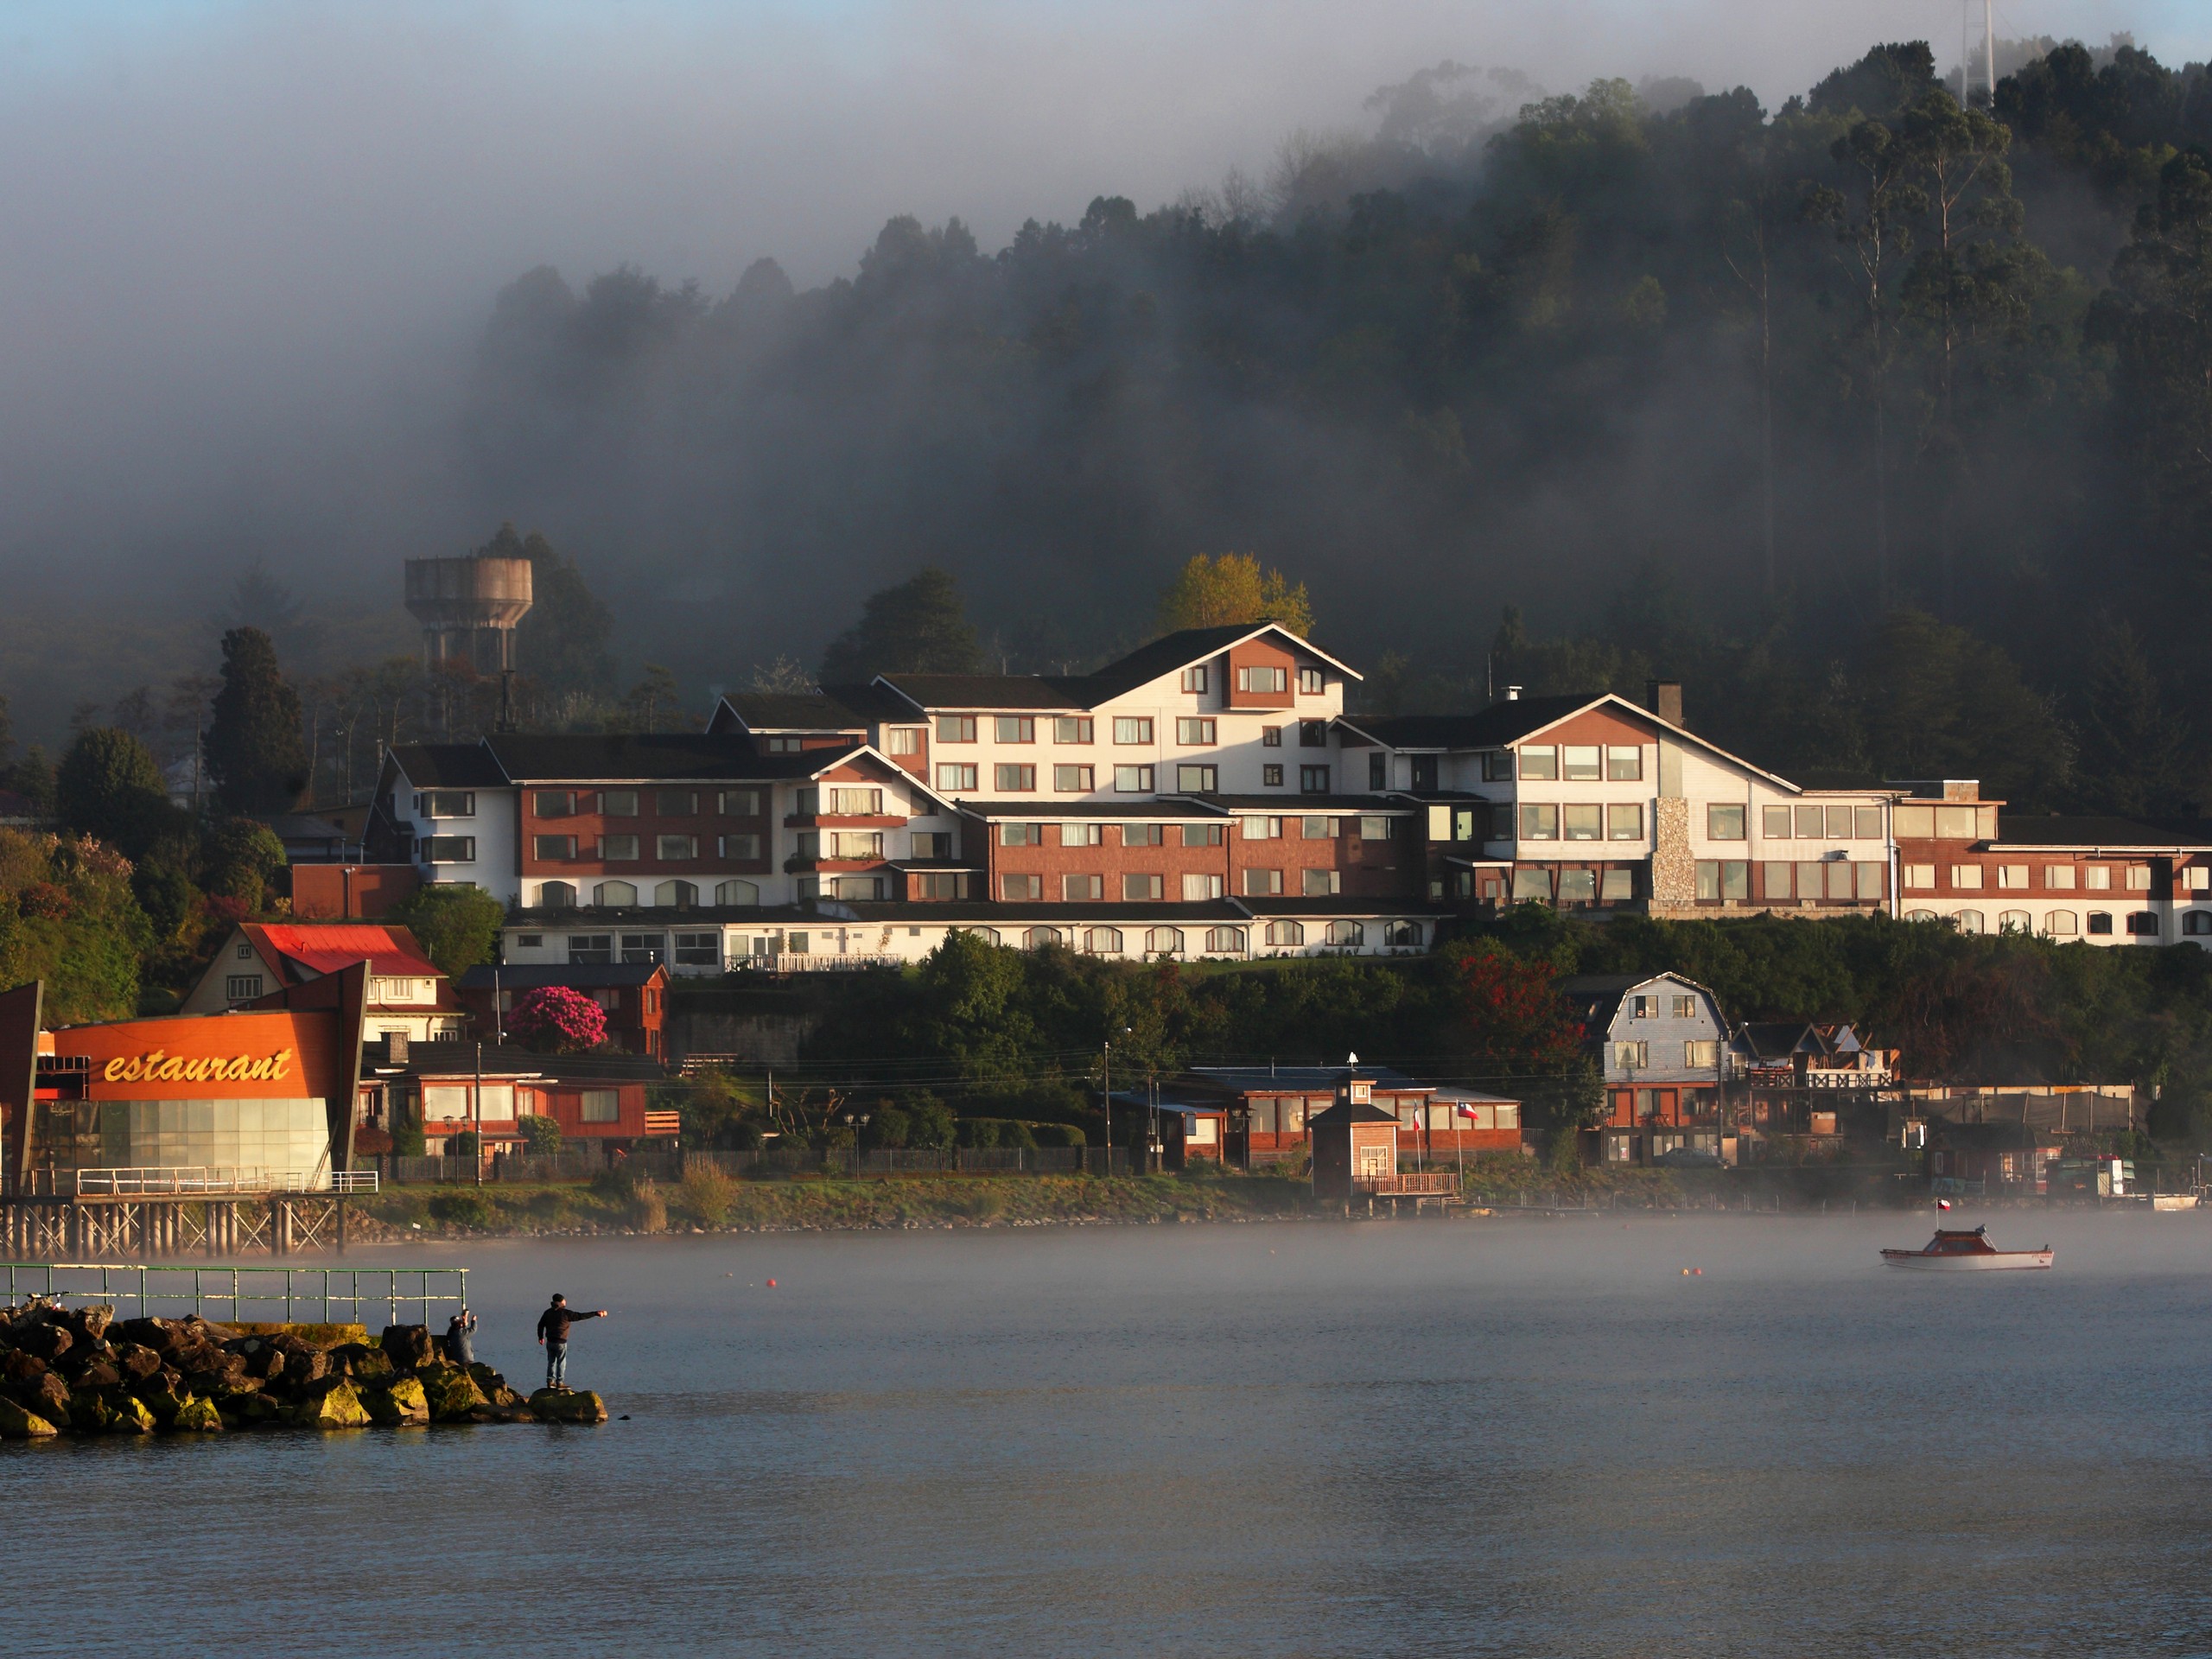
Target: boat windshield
[1960, 1244]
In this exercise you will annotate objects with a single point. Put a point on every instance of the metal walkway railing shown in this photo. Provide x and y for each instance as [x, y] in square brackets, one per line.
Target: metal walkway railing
[325, 1288]
[220, 1181]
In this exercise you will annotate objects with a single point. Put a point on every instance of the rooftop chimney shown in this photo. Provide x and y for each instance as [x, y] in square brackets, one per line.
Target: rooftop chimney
[1664, 699]
[1513, 693]
[395, 1048]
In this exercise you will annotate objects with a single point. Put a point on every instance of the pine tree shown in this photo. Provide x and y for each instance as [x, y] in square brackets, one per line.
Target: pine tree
[917, 627]
[110, 788]
[255, 750]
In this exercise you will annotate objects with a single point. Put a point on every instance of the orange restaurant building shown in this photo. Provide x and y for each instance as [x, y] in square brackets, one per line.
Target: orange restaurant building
[262, 1095]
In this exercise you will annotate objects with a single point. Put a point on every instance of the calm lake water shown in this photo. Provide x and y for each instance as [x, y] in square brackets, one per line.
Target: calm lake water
[1508, 1437]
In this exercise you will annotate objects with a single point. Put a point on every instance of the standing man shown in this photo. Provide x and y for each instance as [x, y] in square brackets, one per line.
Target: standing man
[553, 1337]
[460, 1347]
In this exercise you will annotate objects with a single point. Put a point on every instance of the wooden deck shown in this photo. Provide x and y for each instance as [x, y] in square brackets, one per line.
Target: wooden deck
[1439, 1187]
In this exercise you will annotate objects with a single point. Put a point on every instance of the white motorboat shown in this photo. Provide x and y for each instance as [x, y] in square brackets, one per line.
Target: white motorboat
[1967, 1252]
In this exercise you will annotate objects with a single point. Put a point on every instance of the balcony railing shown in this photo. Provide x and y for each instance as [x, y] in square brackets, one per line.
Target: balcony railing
[788, 963]
[1432, 1183]
[221, 1179]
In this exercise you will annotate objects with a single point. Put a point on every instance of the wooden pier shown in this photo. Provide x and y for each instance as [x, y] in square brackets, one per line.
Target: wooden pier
[80, 1227]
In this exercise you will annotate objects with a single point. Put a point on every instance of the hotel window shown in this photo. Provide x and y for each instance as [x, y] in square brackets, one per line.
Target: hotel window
[739, 802]
[784, 744]
[1498, 767]
[614, 895]
[1139, 889]
[553, 849]
[1260, 828]
[1262, 679]
[1312, 682]
[557, 895]
[1271, 737]
[1194, 679]
[529, 941]
[1372, 829]
[446, 804]
[1321, 884]
[1016, 728]
[1724, 821]
[590, 950]
[555, 803]
[2197, 922]
[1617, 886]
[2138, 878]
[1198, 780]
[1102, 941]
[1262, 884]
[1083, 834]
[1071, 728]
[1839, 879]
[853, 844]
[2197, 879]
[2143, 923]
[1625, 764]
[746, 848]
[1313, 733]
[1869, 879]
[2015, 921]
[1838, 822]
[2012, 875]
[1130, 730]
[2062, 925]
[676, 848]
[1018, 888]
[1199, 732]
[698, 950]
[1580, 763]
[1132, 780]
[952, 777]
[1582, 821]
[618, 803]
[1199, 887]
[1624, 821]
[1076, 889]
[2097, 878]
[1271, 776]
[449, 849]
[1539, 762]
[902, 739]
[620, 850]
[676, 803]
[1865, 824]
[1013, 779]
[939, 885]
[933, 844]
[1723, 878]
[1317, 828]
[1286, 933]
[1313, 781]
[1774, 822]
[1966, 878]
[1532, 886]
[1811, 822]
[1021, 834]
[1810, 879]
[1203, 834]
[1144, 835]
[1577, 887]
[1539, 821]
[240, 988]
[1225, 941]
[852, 802]
[956, 728]
[1919, 877]
[2099, 921]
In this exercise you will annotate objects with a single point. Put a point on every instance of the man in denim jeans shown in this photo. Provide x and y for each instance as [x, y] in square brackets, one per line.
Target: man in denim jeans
[553, 1337]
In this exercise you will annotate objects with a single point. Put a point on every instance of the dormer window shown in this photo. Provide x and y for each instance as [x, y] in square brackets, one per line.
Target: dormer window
[1312, 682]
[1194, 680]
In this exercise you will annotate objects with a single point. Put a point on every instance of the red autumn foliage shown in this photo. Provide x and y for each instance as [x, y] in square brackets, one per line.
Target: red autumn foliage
[44, 899]
[1513, 1010]
[558, 1020]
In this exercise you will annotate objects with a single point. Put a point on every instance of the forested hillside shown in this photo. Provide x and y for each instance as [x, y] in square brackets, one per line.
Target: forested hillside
[1703, 388]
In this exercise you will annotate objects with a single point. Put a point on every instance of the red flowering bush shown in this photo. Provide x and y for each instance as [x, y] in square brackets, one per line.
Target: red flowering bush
[555, 1020]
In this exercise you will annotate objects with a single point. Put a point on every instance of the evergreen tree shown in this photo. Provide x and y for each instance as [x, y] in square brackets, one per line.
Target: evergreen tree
[456, 924]
[917, 627]
[256, 753]
[110, 788]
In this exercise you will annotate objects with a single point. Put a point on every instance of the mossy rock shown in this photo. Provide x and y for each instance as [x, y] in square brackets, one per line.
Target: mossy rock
[164, 1404]
[336, 1407]
[494, 1385]
[452, 1392]
[315, 1334]
[198, 1416]
[367, 1365]
[559, 1405]
[17, 1424]
[399, 1404]
[250, 1410]
[127, 1415]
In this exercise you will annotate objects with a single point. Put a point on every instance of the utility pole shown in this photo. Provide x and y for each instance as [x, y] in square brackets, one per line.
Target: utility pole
[476, 1104]
[1989, 48]
[1109, 1103]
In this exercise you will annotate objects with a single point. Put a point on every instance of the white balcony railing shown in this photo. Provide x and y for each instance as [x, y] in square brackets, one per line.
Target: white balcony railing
[197, 1181]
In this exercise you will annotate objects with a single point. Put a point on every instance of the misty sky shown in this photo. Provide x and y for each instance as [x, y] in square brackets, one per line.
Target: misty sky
[248, 246]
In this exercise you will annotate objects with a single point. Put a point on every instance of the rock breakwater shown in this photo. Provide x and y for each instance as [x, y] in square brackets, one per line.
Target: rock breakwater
[81, 1371]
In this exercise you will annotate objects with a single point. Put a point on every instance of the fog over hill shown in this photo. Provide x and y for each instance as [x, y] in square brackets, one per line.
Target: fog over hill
[1058, 297]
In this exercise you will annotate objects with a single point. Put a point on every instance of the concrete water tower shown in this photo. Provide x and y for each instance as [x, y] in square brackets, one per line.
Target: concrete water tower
[468, 609]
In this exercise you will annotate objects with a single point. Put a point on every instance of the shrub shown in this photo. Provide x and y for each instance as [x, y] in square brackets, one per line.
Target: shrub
[542, 1135]
[1058, 1134]
[463, 1145]
[555, 1020]
[462, 1210]
[889, 1127]
[456, 924]
[984, 1133]
[649, 1209]
[407, 1140]
[615, 1181]
[931, 1123]
[708, 1194]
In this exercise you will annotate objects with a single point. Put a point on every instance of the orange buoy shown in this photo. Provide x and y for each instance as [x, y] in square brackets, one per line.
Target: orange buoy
[772, 1284]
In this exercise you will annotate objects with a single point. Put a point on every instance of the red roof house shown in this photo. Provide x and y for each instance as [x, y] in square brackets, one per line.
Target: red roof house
[408, 994]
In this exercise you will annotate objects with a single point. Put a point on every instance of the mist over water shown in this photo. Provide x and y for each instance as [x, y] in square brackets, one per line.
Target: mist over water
[1508, 1437]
